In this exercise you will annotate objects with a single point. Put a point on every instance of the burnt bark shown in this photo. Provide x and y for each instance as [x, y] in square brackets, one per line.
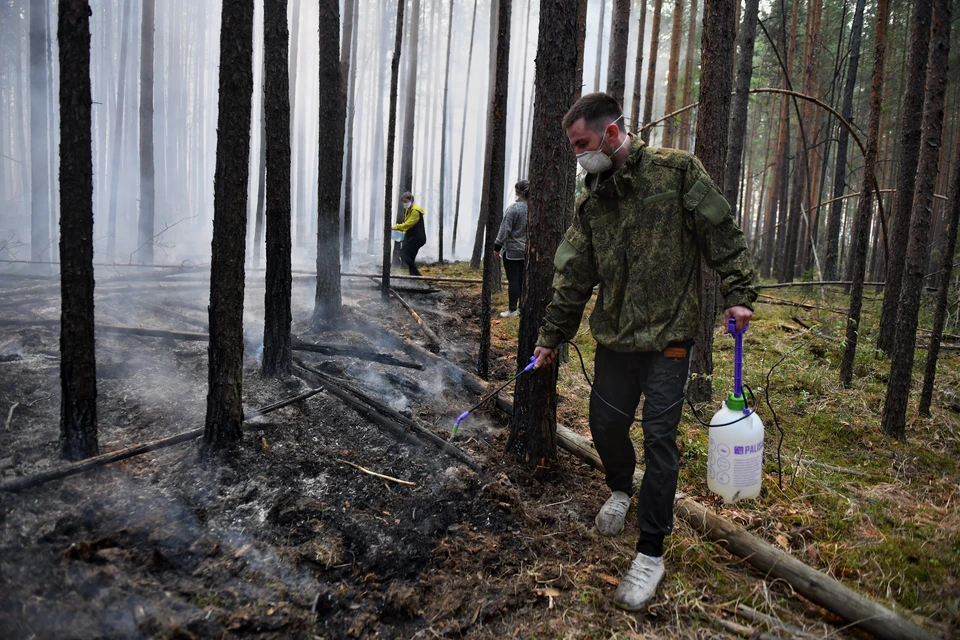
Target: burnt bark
[617, 62]
[911, 290]
[652, 71]
[673, 73]
[147, 187]
[741, 101]
[638, 69]
[713, 118]
[225, 353]
[391, 136]
[78, 370]
[276, 106]
[39, 167]
[865, 204]
[533, 430]
[496, 151]
[909, 153]
[330, 166]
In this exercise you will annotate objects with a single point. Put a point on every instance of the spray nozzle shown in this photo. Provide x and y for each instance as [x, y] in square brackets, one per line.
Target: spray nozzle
[463, 416]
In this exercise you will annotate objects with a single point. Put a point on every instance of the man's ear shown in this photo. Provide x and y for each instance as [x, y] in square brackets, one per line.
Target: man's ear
[611, 133]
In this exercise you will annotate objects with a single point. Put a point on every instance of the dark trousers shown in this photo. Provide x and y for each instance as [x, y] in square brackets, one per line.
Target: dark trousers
[620, 380]
[514, 269]
[408, 254]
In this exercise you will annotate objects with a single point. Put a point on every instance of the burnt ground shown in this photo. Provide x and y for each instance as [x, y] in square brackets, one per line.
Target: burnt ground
[284, 539]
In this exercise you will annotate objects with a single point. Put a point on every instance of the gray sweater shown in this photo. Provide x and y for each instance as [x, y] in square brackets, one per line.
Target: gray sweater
[513, 232]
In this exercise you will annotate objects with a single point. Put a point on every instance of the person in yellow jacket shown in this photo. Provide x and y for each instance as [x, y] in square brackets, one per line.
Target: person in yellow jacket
[415, 234]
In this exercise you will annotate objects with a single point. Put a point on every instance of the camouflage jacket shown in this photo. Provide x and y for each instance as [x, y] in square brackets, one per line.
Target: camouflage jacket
[640, 234]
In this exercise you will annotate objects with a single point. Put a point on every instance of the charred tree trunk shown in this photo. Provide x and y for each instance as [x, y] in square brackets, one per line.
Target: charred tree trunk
[496, 149]
[943, 283]
[617, 62]
[117, 150]
[391, 136]
[738, 119]
[276, 107]
[652, 70]
[909, 153]
[410, 118]
[225, 353]
[713, 120]
[581, 43]
[78, 369]
[865, 204]
[348, 80]
[911, 289]
[443, 137]
[147, 186]
[463, 134]
[688, 79]
[330, 167]
[638, 69]
[533, 430]
[39, 167]
[673, 72]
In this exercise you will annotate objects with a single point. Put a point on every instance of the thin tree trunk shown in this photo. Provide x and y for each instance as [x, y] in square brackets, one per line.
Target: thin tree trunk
[261, 175]
[349, 64]
[391, 136]
[78, 370]
[496, 149]
[909, 154]
[638, 69]
[276, 108]
[600, 27]
[147, 188]
[943, 284]
[617, 63]
[479, 235]
[652, 71]
[379, 146]
[39, 187]
[688, 77]
[718, 50]
[533, 429]
[911, 290]
[225, 354]
[738, 120]
[581, 43]
[327, 298]
[463, 134]
[522, 151]
[298, 158]
[673, 73]
[865, 205]
[410, 117]
[443, 136]
[117, 149]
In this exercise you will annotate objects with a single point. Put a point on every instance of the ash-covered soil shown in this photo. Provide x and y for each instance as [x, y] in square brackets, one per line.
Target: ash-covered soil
[283, 539]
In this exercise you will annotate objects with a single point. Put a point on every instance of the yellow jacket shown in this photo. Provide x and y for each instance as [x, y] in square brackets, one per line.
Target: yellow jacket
[412, 217]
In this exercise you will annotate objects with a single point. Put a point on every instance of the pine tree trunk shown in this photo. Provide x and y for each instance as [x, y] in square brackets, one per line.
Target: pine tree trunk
[673, 73]
[617, 63]
[410, 118]
[391, 136]
[738, 120]
[911, 291]
[39, 189]
[147, 187]
[533, 429]
[688, 78]
[276, 107]
[908, 156]
[443, 136]
[463, 134]
[298, 158]
[348, 56]
[496, 149]
[225, 354]
[865, 204]
[379, 145]
[524, 132]
[261, 178]
[943, 283]
[78, 370]
[600, 28]
[652, 71]
[330, 168]
[638, 69]
[713, 121]
[581, 43]
[117, 147]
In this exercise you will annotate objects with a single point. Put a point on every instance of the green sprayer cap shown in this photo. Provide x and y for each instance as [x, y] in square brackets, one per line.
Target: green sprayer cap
[735, 403]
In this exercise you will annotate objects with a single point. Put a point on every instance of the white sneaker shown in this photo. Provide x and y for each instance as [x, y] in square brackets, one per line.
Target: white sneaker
[612, 514]
[509, 314]
[640, 583]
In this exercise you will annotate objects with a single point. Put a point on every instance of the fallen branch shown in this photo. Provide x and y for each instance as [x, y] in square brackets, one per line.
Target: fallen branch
[753, 615]
[830, 467]
[433, 341]
[399, 277]
[26, 482]
[766, 299]
[815, 283]
[173, 313]
[354, 352]
[741, 630]
[6, 425]
[379, 475]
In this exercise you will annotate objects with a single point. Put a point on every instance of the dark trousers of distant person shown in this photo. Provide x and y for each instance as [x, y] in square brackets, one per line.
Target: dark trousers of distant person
[514, 270]
[415, 238]
[621, 378]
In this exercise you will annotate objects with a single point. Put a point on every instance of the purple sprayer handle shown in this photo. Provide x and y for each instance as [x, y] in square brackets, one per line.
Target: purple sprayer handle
[737, 358]
[463, 416]
[533, 361]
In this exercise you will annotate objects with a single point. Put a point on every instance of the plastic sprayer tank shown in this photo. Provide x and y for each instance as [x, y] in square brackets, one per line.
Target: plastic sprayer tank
[735, 456]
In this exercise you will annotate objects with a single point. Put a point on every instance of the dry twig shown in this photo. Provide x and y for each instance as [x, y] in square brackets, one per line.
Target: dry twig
[379, 475]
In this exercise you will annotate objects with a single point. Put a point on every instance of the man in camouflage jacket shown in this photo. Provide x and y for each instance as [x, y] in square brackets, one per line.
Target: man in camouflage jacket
[644, 221]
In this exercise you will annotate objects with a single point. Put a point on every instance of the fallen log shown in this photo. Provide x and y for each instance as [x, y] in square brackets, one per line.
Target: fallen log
[26, 482]
[433, 340]
[173, 313]
[351, 351]
[814, 585]
[400, 277]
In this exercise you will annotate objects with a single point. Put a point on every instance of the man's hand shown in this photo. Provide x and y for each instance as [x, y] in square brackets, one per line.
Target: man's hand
[496, 253]
[741, 314]
[544, 356]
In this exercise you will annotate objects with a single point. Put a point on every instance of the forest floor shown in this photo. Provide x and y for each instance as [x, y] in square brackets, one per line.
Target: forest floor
[287, 539]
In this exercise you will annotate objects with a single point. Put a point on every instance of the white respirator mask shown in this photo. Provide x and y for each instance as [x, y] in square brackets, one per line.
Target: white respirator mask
[597, 161]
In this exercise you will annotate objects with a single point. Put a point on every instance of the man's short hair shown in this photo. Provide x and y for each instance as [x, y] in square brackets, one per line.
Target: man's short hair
[407, 196]
[598, 110]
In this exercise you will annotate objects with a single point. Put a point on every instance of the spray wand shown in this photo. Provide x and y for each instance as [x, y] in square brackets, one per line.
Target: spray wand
[463, 416]
[736, 399]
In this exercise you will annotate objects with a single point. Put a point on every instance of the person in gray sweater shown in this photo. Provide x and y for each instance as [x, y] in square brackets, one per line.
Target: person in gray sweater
[511, 244]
